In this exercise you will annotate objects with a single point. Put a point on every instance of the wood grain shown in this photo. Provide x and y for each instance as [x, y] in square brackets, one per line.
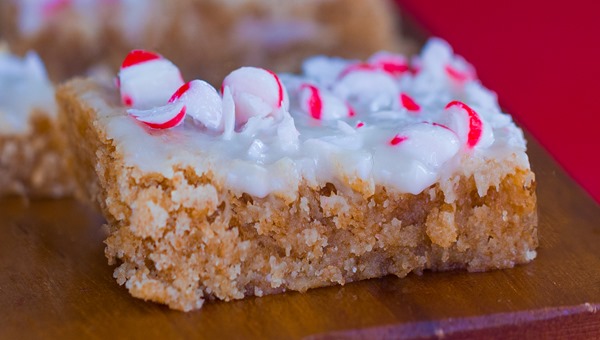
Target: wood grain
[54, 282]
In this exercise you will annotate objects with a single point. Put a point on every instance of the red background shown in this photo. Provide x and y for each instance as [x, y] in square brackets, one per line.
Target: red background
[542, 58]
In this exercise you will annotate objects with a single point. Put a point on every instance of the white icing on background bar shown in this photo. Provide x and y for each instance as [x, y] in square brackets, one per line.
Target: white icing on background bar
[131, 16]
[24, 86]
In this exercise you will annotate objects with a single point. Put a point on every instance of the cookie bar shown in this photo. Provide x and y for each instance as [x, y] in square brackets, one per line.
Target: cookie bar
[31, 148]
[206, 38]
[351, 170]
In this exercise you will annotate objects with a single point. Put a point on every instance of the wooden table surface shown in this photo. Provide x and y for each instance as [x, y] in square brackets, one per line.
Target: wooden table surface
[55, 282]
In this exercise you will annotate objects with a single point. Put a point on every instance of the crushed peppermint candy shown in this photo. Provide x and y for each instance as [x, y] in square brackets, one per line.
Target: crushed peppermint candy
[392, 63]
[147, 80]
[163, 101]
[313, 104]
[474, 122]
[323, 105]
[161, 117]
[202, 102]
[396, 120]
[256, 92]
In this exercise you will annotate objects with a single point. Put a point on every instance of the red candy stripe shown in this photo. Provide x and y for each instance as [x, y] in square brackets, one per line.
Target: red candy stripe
[442, 126]
[475, 124]
[279, 88]
[397, 140]
[170, 123]
[409, 103]
[351, 112]
[180, 91]
[315, 103]
[127, 101]
[456, 74]
[394, 69]
[357, 67]
[139, 56]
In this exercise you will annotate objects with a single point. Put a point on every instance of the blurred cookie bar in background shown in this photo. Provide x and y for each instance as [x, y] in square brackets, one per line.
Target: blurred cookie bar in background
[207, 38]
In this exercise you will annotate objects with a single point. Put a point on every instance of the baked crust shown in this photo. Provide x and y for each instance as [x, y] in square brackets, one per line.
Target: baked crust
[185, 239]
[32, 163]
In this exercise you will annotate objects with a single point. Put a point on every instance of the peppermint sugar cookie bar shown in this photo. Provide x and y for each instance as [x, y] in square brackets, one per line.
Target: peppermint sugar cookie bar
[351, 170]
[204, 37]
[31, 148]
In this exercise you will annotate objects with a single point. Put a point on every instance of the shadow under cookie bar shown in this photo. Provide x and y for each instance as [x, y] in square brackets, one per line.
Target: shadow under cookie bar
[186, 238]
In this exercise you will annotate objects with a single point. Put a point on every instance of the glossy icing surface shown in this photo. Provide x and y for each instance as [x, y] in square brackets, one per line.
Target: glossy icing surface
[350, 123]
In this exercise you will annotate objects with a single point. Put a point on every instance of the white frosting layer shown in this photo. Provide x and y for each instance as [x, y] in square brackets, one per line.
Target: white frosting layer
[381, 142]
[24, 86]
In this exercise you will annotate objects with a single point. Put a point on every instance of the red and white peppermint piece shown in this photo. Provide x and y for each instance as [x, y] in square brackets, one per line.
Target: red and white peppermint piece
[161, 117]
[413, 156]
[465, 122]
[137, 57]
[391, 63]
[202, 103]
[364, 87]
[323, 70]
[310, 100]
[430, 144]
[358, 67]
[408, 103]
[256, 92]
[322, 105]
[147, 80]
[459, 70]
